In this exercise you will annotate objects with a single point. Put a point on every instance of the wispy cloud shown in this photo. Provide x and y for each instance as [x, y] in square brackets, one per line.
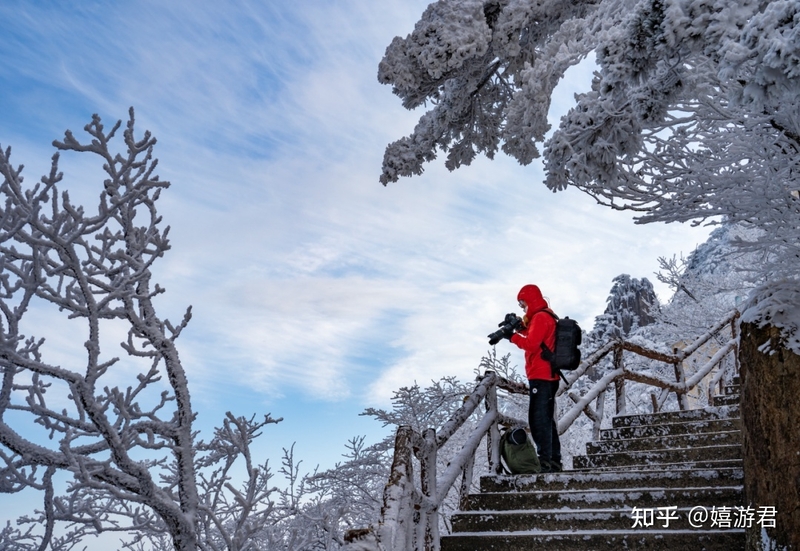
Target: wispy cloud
[307, 277]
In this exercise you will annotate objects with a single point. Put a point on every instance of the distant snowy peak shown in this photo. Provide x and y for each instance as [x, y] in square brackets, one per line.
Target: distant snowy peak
[710, 256]
[632, 303]
[713, 256]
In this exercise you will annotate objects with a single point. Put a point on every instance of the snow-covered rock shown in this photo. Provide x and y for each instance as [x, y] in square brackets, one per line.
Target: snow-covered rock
[776, 304]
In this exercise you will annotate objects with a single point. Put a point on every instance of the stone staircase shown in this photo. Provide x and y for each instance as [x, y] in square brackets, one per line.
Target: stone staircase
[635, 489]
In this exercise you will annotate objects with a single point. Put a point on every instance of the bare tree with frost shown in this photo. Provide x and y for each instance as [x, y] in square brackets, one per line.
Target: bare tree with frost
[127, 459]
[109, 440]
[693, 115]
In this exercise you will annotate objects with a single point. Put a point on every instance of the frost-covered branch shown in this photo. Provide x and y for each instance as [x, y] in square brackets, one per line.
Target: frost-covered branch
[693, 115]
[94, 267]
[108, 439]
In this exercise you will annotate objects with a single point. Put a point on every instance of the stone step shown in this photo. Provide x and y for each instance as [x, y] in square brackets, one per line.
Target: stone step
[647, 496]
[603, 540]
[643, 465]
[678, 476]
[675, 428]
[705, 464]
[675, 416]
[650, 457]
[732, 437]
[565, 520]
[726, 400]
[732, 389]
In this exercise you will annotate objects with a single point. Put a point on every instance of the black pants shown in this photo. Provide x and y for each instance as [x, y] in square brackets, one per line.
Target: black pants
[541, 417]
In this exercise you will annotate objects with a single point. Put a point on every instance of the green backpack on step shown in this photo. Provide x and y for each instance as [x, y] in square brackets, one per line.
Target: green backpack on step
[518, 453]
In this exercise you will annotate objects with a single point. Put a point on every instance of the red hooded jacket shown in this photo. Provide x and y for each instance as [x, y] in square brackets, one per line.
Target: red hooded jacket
[540, 328]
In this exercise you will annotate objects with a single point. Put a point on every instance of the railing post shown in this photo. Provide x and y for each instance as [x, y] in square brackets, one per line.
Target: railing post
[619, 392]
[396, 532]
[493, 437]
[680, 377]
[654, 401]
[735, 335]
[619, 382]
[429, 514]
[599, 409]
[466, 483]
[662, 398]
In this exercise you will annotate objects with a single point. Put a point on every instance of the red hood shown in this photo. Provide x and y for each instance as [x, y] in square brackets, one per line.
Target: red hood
[532, 296]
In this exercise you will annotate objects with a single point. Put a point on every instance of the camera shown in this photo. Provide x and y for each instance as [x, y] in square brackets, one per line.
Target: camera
[511, 323]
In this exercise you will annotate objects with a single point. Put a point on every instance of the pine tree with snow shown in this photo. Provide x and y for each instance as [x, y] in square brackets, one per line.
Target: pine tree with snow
[693, 115]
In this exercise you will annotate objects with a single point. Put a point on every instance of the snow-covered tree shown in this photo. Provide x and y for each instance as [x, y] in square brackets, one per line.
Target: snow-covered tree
[423, 407]
[109, 440]
[694, 113]
[95, 267]
[355, 486]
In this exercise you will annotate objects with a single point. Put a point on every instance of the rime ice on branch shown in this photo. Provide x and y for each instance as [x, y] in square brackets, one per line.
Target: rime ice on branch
[128, 457]
[693, 114]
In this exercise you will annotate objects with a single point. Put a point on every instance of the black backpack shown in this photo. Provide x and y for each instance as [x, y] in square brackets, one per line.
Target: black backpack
[567, 355]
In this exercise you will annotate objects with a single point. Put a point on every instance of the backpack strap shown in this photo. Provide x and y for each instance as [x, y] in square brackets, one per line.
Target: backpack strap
[547, 354]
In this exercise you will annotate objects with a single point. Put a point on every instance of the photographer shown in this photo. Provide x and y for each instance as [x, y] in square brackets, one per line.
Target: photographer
[539, 327]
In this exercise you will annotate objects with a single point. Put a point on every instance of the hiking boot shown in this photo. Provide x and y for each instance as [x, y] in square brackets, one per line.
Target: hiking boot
[551, 467]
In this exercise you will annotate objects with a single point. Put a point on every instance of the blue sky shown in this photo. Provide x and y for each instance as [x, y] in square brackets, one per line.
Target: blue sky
[315, 290]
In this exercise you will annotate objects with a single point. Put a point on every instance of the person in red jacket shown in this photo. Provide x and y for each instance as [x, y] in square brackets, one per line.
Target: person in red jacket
[540, 328]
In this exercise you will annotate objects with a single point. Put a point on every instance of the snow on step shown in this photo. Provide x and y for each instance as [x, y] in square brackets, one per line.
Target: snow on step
[521, 520]
[644, 497]
[598, 540]
[678, 459]
[673, 477]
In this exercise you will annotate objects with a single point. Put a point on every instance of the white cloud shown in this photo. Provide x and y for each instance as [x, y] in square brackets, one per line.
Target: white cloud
[305, 274]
